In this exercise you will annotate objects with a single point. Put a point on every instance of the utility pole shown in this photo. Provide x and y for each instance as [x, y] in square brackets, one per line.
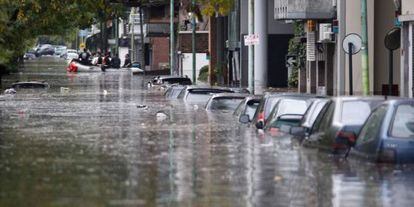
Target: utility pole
[251, 48]
[193, 39]
[132, 34]
[172, 47]
[365, 64]
[260, 50]
[141, 25]
[340, 75]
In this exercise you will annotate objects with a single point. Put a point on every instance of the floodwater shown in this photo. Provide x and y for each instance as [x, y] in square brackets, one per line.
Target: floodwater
[84, 142]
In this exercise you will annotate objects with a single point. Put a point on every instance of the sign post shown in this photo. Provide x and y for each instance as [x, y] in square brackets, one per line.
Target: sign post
[352, 44]
[392, 42]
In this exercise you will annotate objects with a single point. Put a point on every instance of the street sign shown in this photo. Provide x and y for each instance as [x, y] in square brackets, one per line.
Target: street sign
[290, 60]
[83, 33]
[252, 39]
[82, 46]
[356, 42]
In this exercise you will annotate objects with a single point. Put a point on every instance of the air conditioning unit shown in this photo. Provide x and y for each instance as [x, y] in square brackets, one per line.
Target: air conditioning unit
[325, 33]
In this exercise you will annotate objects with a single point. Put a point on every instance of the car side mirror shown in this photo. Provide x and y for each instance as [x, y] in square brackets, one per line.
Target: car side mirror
[259, 125]
[244, 118]
[298, 131]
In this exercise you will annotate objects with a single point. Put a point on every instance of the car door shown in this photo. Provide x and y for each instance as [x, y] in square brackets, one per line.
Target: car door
[369, 138]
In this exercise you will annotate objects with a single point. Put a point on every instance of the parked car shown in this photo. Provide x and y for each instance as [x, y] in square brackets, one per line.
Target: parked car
[388, 133]
[30, 85]
[225, 101]
[247, 108]
[45, 49]
[340, 116]
[162, 80]
[136, 68]
[29, 55]
[60, 51]
[173, 91]
[71, 54]
[288, 112]
[200, 95]
[267, 104]
[302, 131]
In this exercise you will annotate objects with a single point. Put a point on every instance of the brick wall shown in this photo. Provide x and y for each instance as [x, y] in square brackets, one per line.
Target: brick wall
[185, 42]
[160, 52]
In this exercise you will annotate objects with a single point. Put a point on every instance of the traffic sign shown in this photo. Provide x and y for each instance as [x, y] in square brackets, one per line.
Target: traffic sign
[252, 39]
[356, 42]
[82, 46]
[290, 60]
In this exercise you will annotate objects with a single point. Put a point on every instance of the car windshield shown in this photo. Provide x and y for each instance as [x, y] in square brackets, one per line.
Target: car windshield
[291, 106]
[403, 125]
[198, 97]
[136, 65]
[226, 103]
[355, 112]
[182, 81]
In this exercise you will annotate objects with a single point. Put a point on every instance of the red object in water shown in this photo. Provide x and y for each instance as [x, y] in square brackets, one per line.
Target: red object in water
[72, 67]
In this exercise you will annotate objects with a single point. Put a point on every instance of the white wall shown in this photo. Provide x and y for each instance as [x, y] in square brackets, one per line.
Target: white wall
[407, 7]
[187, 63]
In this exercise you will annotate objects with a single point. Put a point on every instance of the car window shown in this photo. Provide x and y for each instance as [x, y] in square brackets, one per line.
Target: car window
[403, 124]
[355, 112]
[269, 105]
[372, 125]
[227, 103]
[251, 108]
[240, 108]
[313, 112]
[324, 120]
[182, 94]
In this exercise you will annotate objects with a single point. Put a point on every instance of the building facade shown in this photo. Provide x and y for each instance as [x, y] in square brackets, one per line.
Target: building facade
[407, 42]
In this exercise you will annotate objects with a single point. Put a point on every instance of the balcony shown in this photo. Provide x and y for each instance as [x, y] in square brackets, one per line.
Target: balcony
[304, 9]
[157, 29]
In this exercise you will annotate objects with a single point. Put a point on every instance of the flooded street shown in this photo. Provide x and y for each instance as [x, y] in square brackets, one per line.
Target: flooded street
[84, 142]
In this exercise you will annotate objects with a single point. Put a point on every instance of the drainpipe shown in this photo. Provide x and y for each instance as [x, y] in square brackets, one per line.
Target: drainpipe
[364, 35]
[172, 60]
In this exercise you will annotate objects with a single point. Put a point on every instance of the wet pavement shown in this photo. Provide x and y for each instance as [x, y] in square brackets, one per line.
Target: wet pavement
[84, 142]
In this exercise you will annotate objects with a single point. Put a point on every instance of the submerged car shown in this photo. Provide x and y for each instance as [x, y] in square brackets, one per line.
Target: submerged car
[388, 133]
[45, 49]
[339, 117]
[225, 101]
[267, 104]
[200, 95]
[173, 91]
[168, 80]
[136, 68]
[288, 112]
[30, 85]
[247, 108]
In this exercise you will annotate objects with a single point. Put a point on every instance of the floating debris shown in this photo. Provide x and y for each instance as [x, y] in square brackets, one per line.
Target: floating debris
[10, 91]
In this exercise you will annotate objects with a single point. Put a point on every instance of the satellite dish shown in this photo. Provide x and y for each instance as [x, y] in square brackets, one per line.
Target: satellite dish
[356, 42]
[393, 39]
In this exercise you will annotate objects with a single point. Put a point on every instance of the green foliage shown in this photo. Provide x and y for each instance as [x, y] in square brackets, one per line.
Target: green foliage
[203, 75]
[22, 21]
[216, 7]
[297, 48]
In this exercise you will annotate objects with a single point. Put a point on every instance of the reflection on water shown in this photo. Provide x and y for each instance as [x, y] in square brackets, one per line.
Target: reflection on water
[83, 147]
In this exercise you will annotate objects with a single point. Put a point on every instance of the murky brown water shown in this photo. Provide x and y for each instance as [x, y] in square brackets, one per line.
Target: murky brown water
[80, 146]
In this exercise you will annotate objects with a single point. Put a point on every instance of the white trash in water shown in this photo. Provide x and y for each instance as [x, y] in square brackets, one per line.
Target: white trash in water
[10, 91]
[161, 116]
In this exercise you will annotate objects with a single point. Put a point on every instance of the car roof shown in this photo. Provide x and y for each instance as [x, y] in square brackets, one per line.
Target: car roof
[229, 95]
[356, 98]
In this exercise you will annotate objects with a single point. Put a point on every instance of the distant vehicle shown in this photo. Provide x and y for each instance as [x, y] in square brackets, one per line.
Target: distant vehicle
[60, 51]
[388, 133]
[45, 49]
[71, 54]
[340, 116]
[173, 91]
[247, 108]
[29, 55]
[200, 95]
[30, 85]
[267, 104]
[136, 68]
[225, 101]
[165, 80]
[288, 112]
